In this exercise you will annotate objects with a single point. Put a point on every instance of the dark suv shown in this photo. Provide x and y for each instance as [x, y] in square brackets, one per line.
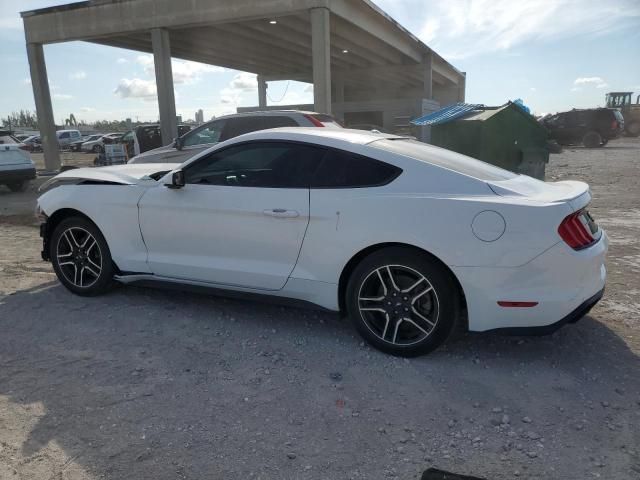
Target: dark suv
[592, 127]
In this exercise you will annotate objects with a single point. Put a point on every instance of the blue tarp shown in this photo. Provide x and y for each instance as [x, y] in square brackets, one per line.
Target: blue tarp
[447, 114]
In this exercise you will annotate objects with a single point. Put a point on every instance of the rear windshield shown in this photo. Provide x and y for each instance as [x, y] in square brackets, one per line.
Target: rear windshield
[8, 139]
[444, 158]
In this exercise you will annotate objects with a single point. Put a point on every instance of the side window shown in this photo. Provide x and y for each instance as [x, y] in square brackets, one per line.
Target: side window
[64, 135]
[208, 133]
[240, 125]
[75, 134]
[127, 137]
[347, 170]
[258, 164]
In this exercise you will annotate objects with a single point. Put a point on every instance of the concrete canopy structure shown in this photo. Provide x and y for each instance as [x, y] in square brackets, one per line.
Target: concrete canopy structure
[364, 66]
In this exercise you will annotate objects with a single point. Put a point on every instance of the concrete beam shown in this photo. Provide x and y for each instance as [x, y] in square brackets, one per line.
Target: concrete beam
[44, 109]
[321, 53]
[89, 21]
[427, 66]
[164, 83]
[262, 92]
[379, 25]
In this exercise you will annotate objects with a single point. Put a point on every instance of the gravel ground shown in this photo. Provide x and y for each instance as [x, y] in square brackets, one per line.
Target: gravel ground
[150, 384]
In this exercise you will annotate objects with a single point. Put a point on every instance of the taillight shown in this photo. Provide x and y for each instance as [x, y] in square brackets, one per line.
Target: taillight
[24, 147]
[577, 230]
[614, 125]
[314, 120]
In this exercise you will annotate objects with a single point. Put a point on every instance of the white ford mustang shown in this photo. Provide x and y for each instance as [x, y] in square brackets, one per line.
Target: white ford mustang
[410, 241]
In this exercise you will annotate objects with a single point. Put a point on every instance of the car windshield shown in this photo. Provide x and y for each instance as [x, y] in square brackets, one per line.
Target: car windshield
[208, 133]
[444, 158]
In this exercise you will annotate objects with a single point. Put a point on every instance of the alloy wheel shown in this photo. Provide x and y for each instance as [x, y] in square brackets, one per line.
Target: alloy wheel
[398, 305]
[79, 257]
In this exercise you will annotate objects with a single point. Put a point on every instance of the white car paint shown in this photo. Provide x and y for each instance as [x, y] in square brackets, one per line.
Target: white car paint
[220, 235]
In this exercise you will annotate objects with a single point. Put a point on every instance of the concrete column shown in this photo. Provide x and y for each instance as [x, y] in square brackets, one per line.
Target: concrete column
[262, 92]
[321, 53]
[338, 106]
[44, 110]
[462, 86]
[164, 83]
[427, 65]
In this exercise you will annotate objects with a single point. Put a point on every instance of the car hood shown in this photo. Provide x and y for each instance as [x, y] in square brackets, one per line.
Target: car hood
[155, 151]
[122, 174]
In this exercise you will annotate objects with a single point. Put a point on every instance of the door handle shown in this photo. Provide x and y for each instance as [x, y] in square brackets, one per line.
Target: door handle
[281, 213]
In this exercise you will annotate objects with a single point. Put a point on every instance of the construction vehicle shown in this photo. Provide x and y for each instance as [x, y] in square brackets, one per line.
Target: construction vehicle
[630, 111]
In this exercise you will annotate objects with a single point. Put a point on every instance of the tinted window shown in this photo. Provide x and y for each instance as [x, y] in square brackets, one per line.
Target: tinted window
[64, 135]
[259, 164]
[444, 158]
[240, 125]
[347, 170]
[208, 133]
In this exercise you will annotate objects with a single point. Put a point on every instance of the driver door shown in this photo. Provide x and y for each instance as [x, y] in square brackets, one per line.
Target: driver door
[239, 220]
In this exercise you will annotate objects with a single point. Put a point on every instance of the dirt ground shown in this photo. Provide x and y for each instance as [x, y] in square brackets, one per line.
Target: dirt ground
[150, 384]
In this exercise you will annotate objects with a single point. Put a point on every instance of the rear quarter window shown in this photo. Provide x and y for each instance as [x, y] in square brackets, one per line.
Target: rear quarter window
[444, 158]
[340, 169]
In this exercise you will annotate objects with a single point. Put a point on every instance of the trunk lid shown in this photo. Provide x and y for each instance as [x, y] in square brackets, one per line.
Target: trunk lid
[575, 194]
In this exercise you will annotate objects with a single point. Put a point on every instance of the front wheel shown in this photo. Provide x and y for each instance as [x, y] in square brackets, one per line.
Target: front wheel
[592, 140]
[402, 301]
[80, 257]
[633, 129]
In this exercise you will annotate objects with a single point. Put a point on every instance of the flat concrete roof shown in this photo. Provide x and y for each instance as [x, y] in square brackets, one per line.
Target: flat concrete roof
[365, 41]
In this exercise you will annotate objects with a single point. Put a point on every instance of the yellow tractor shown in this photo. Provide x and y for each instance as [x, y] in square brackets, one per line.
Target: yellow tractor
[630, 111]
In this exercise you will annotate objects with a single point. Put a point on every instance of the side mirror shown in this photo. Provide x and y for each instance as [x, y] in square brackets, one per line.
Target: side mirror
[177, 143]
[177, 180]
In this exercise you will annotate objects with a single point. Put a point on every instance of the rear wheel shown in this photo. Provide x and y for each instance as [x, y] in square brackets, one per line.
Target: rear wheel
[80, 257]
[402, 301]
[18, 186]
[592, 139]
[604, 142]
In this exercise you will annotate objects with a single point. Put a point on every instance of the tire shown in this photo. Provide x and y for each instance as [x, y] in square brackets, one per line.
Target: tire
[604, 142]
[81, 258]
[633, 129]
[18, 186]
[592, 139]
[409, 316]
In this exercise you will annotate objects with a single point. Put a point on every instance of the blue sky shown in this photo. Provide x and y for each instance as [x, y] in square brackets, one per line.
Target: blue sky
[554, 54]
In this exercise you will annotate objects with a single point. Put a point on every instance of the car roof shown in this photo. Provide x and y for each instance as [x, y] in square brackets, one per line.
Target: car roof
[265, 113]
[361, 137]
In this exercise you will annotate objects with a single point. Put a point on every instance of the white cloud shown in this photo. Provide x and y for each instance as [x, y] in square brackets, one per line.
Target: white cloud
[464, 28]
[429, 30]
[62, 96]
[533, 89]
[309, 88]
[597, 82]
[576, 89]
[184, 72]
[87, 109]
[27, 81]
[122, 61]
[136, 88]
[78, 75]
